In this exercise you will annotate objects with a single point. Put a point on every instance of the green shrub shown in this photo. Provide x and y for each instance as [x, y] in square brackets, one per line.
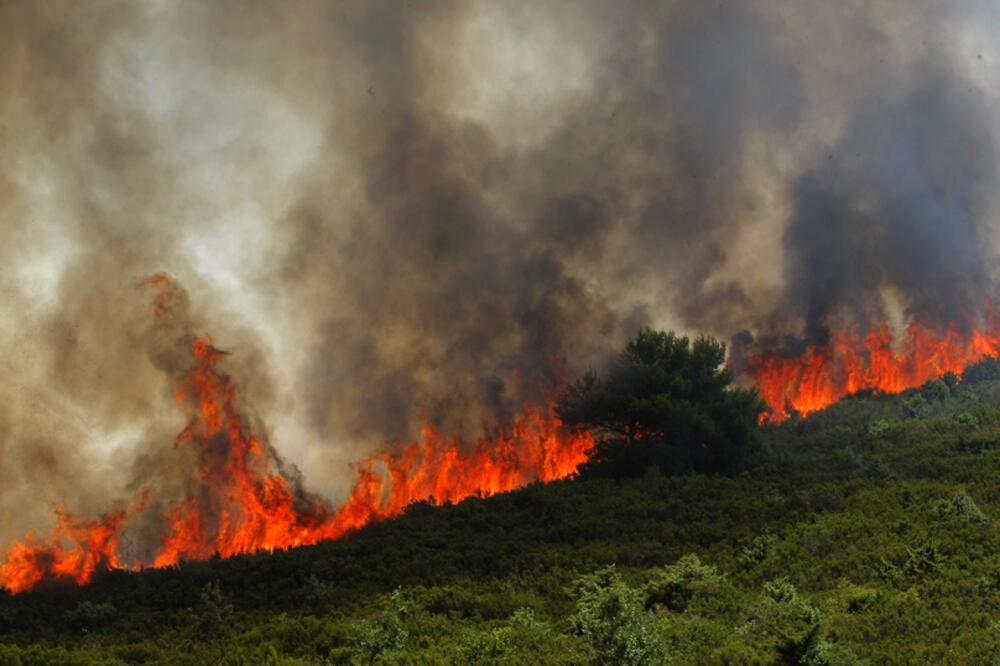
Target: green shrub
[917, 407]
[878, 429]
[388, 635]
[985, 370]
[862, 600]
[781, 590]
[967, 421]
[959, 505]
[88, 615]
[523, 640]
[676, 584]
[211, 616]
[886, 571]
[795, 624]
[936, 390]
[318, 593]
[923, 560]
[610, 616]
[756, 552]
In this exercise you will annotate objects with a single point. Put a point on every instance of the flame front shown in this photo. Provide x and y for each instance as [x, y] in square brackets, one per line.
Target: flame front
[851, 362]
[240, 504]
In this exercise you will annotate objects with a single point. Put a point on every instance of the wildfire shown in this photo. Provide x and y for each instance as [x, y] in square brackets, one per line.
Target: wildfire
[827, 373]
[239, 503]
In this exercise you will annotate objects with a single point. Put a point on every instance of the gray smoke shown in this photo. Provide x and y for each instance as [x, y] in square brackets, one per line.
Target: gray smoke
[395, 214]
[902, 200]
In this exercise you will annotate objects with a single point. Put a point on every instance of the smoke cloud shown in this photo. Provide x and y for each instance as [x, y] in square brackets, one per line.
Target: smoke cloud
[396, 214]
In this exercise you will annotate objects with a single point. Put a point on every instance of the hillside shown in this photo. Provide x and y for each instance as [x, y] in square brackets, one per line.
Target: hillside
[867, 533]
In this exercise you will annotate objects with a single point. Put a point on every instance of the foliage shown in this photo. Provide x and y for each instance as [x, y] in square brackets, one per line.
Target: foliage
[967, 420]
[389, 635]
[917, 406]
[665, 403]
[878, 429]
[677, 584]
[960, 505]
[212, 613]
[985, 370]
[795, 556]
[88, 615]
[611, 617]
[924, 559]
[936, 389]
[756, 551]
[796, 624]
[523, 640]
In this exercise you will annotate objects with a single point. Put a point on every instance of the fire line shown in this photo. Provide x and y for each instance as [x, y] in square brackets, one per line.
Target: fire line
[851, 362]
[239, 503]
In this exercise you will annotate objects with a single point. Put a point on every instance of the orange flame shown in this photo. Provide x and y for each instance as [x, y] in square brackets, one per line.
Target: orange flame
[827, 373]
[242, 505]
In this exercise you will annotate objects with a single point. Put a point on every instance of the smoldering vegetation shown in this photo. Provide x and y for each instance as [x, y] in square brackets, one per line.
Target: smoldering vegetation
[428, 213]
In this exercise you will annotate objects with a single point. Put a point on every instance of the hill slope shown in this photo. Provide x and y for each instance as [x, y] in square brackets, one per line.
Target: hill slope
[867, 533]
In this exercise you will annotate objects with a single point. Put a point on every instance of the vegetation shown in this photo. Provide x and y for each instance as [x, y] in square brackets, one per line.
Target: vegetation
[665, 403]
[864, 534]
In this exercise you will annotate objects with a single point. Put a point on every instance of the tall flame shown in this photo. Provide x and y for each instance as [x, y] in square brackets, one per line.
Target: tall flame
[240, 503]
[827, 373]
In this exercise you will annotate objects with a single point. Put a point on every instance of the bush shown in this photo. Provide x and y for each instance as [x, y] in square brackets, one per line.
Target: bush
[318, 593]
[523, 640]
[389, 635]
[986, 370]
[862, 600]
[967, 421]
[923, 560]
[796, 624]
[781, 591]
[960, 505]
[678, 583]
[886, 571]
[756, 552]
[212, 614]
[936, 389]
[917, 407]
[88, 615]
[878, 429]
[610, 616]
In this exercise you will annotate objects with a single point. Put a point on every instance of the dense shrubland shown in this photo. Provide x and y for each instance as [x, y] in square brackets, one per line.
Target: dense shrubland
[867, 533]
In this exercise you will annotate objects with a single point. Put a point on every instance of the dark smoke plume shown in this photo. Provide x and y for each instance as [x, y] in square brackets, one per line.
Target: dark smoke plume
[902, 201]
[395, 214]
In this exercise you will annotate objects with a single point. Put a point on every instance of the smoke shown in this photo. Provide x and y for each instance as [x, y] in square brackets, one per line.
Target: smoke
[901, 201]
[397, 214]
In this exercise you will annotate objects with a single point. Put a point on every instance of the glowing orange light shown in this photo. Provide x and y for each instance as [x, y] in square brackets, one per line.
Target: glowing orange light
[827, 373]
[242, 505]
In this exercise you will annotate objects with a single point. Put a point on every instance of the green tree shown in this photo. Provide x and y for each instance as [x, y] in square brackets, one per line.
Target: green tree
[665, 402]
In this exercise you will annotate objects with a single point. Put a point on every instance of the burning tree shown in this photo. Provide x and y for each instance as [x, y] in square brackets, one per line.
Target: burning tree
[665, 403]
